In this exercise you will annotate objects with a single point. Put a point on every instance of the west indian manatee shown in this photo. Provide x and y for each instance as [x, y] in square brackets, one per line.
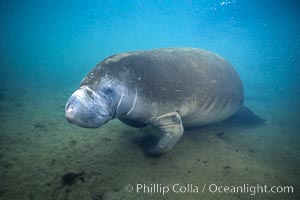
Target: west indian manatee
[169, 88]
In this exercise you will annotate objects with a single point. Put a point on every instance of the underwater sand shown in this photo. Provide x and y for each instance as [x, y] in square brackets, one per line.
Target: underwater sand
[38, 147]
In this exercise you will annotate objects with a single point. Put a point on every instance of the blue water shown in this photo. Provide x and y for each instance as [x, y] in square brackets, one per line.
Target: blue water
[47, 47]
[50, 40]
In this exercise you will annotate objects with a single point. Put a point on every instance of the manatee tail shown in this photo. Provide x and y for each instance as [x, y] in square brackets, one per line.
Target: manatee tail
[247, 115]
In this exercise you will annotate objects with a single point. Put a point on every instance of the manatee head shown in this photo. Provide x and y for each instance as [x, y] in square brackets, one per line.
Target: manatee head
[90, 109]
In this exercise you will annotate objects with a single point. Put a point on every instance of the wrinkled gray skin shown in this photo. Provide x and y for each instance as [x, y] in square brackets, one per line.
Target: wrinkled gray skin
[168, 88]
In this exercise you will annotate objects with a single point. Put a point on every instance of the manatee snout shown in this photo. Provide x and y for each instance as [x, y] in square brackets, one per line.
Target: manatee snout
[87, 110]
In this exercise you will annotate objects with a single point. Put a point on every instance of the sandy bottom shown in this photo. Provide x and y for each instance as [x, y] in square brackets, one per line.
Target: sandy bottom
[38, 148]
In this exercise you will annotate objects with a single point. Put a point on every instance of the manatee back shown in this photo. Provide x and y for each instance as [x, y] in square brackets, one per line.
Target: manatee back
[200, 85]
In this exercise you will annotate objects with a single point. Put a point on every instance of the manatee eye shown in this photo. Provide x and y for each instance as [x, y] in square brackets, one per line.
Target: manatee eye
[109, 92]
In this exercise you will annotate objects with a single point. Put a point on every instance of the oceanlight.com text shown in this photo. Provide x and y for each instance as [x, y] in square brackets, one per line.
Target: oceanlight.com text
[252, 190]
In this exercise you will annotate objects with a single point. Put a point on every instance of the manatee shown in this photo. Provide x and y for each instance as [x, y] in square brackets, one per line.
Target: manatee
[169, 88]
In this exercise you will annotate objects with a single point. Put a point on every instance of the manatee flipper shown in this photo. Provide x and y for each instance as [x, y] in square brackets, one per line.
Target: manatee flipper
[247, 115]
[171, 127]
